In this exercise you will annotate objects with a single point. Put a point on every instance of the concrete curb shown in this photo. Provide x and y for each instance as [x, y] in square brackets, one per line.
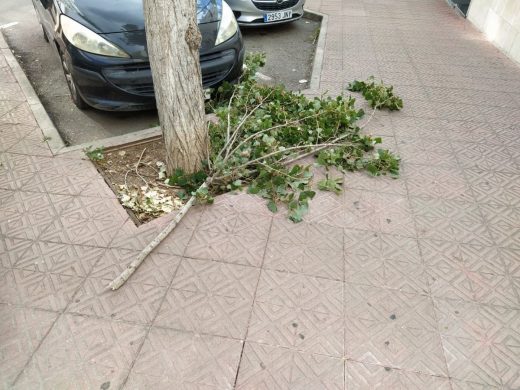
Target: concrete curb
[319, 53]
[135, 137]
[53, 137]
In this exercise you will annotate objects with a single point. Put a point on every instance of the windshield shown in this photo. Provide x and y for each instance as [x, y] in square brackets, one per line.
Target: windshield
[208, 11]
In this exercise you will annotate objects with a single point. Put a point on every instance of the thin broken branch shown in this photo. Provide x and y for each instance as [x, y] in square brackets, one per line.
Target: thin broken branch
[132, 267]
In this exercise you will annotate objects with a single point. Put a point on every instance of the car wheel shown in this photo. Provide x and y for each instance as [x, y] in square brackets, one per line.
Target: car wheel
[45, 35]
[74, 93]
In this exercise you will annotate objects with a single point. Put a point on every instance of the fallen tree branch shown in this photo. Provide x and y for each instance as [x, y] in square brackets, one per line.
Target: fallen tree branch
[132, 267]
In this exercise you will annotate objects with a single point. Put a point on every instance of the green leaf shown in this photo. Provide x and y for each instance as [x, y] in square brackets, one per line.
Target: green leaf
[332, 185]
[272, 122]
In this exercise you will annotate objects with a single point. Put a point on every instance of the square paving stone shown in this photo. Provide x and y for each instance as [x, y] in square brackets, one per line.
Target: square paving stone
[179, 360]
[480, 342]
[359, 376]
[21, 331]
[265, 367]
[83, 353]
[392, 328]
[210, 297]
[298, 312]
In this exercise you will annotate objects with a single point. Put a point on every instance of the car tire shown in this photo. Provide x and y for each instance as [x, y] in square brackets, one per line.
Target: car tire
[74, 93]
[45, 35]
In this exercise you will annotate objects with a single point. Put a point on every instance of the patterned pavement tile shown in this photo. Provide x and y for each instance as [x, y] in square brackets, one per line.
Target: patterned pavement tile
[504, 224]
[74, 260]
[157, 269]
[468, 272]
[210, 297]
[83, 353]
[459, 111]
[362, 181]
[484, 157]
[463, 385]
[10, 135]
[387, 212]
[96, 187]
[383, 260]
[310, 249]
[19, 202]
[230, 237]
[436, 182]
[494, 188]
[226, 247]
[326, 208]
[461, 131]
[135, 237]
[84, 207]
[6, 75]
[37, 289]
[133, 302]
[242, 203]
[450, 220]
[21, 114]
[359, 376]
[267, 368]
[55, 182]
[21, 331]
[32, 144]
[180, 360]
[392, 328]
[507, 135]
[364, 210]
[501, 115]
[91, 232]
[11, 91]
[510, 258]
[426, 151]
[29, 226]
[298, 312]
[480, 342]
[176, 242]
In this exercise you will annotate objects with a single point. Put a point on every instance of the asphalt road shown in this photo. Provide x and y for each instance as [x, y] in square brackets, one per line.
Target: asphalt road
[289, 50]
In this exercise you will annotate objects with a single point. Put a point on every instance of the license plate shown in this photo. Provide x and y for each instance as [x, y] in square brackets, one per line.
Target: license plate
[276, 16]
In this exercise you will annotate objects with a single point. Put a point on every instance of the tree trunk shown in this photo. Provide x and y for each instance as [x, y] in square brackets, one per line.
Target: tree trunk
[174, 39]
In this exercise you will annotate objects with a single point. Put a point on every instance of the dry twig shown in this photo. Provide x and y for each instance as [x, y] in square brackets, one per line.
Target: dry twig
[132, 267]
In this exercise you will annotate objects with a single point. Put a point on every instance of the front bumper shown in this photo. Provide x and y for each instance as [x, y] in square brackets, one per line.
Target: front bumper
[251, 12]
[126, 85]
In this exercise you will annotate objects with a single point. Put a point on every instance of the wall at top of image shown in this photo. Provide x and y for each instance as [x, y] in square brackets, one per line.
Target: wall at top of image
[500, 21]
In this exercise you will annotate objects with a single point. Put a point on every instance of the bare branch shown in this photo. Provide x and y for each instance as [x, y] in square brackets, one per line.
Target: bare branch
[132, 267]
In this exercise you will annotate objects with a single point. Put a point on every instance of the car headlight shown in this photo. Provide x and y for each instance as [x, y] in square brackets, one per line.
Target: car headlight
[87, 40]
[228, 25]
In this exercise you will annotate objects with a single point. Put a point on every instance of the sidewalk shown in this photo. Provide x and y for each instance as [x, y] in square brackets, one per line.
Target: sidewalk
[411, 283]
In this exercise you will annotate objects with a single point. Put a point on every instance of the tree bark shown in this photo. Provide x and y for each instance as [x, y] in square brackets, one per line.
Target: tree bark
[174, 39]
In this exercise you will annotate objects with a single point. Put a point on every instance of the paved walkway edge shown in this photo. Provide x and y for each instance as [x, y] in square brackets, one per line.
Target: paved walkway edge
[319, 52]
[50, 133]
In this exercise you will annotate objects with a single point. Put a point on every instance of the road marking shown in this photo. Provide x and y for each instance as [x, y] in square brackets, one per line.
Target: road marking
[8, 25]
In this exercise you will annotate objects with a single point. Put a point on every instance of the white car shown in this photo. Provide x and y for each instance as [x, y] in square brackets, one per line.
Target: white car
[264, 12]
